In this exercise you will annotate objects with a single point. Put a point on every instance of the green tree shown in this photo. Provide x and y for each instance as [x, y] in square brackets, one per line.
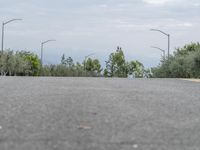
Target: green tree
[70, 61]
[92, 67]
[33, 61]
[7, 63]
[116, 65]
[136, 69]
[63, 60]
[184, 63]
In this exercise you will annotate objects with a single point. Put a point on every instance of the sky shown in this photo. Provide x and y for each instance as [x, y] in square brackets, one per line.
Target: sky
[81, 27]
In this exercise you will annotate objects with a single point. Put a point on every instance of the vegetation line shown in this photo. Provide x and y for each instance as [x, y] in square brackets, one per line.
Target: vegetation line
[184, 63]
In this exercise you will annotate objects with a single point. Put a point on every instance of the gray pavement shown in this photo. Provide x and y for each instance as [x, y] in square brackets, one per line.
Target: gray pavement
[99, 114]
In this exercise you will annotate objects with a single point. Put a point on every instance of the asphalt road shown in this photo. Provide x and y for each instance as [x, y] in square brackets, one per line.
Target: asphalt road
[99, 114]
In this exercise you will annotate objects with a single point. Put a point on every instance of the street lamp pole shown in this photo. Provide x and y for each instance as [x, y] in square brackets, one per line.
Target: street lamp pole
[168, 45]
[42, 46]
[3, 26]
[160, 50]
[168, 35]
[2, 38]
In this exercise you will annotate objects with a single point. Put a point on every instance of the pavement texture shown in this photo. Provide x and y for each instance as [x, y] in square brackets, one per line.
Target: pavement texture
[193, 80]
[99, 114]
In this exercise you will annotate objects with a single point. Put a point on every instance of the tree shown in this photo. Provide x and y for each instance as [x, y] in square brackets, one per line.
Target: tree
[63, 61]
[93, 67]
[19, 63]
[7, 62]
[116, 65]
[184, 63]
[69, 61]
[97, 66]
[33, 67]
[79, 69]
[109, 71]
[105, 73]
[136, 69]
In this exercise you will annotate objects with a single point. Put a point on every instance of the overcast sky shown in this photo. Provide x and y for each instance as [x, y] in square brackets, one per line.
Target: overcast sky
[99, 26]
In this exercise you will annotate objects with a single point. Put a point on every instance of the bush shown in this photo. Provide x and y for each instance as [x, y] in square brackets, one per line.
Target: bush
[185, 63]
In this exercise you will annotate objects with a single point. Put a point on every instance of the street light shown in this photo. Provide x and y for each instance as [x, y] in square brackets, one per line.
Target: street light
[168, 35]
[42, 45]
[160, 50]
[86, 59]
[3, 24]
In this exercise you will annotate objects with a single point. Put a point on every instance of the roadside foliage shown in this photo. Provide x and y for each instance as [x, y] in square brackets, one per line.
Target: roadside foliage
[24, 63]
[117, 66]
[20, 63]
[184, 63]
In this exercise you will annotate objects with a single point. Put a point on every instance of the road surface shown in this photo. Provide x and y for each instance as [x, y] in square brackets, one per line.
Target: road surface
[99, 114]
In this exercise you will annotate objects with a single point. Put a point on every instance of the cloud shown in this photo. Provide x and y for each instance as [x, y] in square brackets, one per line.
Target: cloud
[158, 2]
[100, 26]
[196, 4]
